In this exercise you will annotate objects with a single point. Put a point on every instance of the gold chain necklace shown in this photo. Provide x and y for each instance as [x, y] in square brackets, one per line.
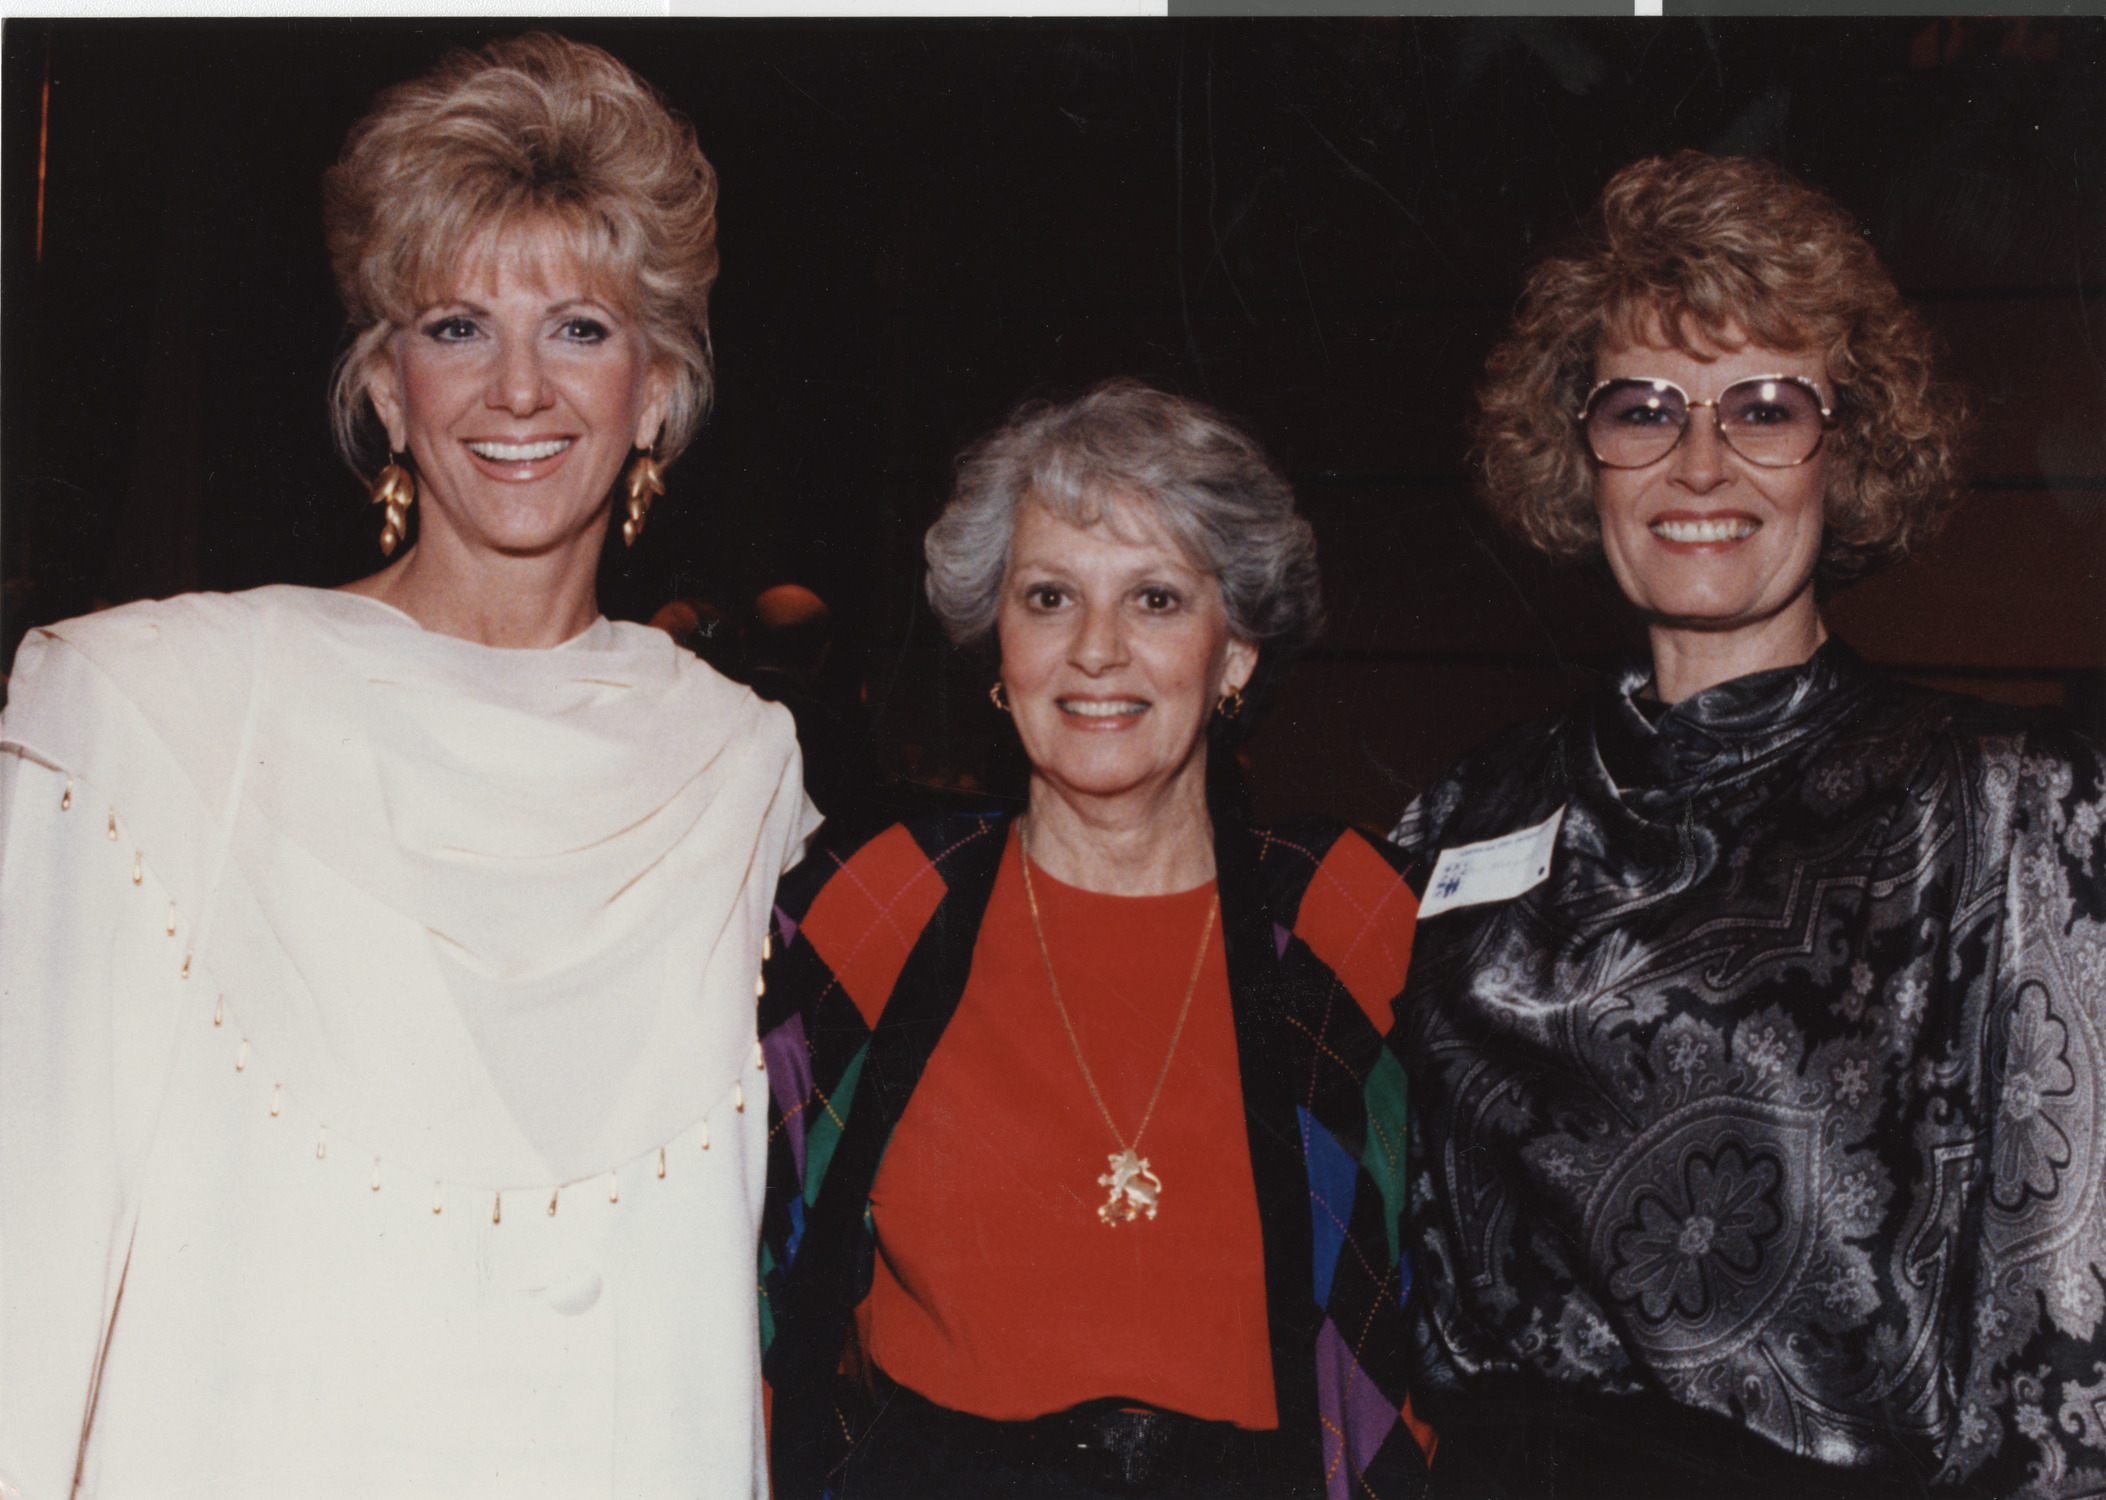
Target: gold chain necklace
[1135, 1190]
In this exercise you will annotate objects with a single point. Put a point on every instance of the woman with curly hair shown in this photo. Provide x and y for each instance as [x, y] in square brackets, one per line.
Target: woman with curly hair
[1758, 1012]
[377, 964]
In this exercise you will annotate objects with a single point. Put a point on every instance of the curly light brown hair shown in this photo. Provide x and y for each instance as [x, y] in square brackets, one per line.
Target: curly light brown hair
[1707, 252]
[539, 130]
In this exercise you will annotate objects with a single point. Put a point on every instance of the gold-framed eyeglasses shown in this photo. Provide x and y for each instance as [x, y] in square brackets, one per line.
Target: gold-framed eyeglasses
[1772, 421]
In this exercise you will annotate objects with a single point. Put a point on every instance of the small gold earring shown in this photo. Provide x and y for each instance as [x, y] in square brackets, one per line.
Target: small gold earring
[396, 489]
[995, 694]
[646, 481]
[1231, 703]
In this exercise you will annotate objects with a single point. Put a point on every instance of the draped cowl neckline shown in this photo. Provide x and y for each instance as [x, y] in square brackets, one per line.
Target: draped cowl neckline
[1653, 792]
[494, 913]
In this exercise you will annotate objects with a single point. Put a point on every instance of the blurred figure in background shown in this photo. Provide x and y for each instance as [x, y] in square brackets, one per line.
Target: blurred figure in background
[786, 651]
[792, 634]
[704, 629]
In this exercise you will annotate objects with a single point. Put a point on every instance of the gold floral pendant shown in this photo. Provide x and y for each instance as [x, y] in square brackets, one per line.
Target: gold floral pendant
[1134, 1189]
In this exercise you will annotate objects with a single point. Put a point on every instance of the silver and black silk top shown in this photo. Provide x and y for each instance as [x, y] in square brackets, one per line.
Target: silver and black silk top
[1781, 1096]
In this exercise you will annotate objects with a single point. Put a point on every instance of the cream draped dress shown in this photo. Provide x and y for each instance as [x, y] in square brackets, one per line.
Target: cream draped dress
[380, 1111]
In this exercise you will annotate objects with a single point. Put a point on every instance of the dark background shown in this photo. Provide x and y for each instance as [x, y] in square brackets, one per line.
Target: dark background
[1318, 225]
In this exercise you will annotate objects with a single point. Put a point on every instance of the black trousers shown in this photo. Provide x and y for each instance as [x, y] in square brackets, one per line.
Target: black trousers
[917, 1450]
[1537, 1440]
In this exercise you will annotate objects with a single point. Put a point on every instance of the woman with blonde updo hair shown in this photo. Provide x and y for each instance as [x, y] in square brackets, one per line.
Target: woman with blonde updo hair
[377, 965]
[1757, 1012]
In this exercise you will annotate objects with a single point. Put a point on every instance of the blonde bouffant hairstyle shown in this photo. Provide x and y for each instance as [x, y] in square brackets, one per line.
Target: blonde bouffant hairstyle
[534, 129]
[1700, 250]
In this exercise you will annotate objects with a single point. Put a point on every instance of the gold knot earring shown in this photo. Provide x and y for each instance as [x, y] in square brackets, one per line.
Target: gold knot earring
[995, 695]
[1231, 703]
[646, 482]
[396, 489]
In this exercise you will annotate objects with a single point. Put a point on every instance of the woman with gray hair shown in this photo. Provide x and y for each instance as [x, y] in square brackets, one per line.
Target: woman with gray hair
[1053, 1095]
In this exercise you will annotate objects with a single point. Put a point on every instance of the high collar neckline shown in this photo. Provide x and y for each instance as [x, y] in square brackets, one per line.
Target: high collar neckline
[1726, 730]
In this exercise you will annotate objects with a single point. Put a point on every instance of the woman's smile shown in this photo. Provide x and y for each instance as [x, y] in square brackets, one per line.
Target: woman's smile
[522, 461]
[516, 454]
[1706, 531]
[1104, 713]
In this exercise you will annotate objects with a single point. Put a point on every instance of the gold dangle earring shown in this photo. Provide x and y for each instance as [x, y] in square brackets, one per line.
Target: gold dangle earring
[646, 482]
[396, 489]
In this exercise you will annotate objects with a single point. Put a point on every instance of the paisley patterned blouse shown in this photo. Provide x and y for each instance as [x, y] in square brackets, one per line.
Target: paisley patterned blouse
[1782, 1094]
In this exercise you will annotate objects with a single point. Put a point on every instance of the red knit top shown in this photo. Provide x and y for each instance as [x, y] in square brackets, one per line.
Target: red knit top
[998, 1290]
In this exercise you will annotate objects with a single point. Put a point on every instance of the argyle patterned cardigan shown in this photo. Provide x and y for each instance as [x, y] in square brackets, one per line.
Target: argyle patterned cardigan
[1312, 917]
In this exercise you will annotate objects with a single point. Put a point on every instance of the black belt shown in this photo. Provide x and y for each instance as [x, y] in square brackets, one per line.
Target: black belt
[1112, 1446]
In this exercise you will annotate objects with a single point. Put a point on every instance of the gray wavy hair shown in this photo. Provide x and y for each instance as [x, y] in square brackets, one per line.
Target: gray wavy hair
[1205, 479]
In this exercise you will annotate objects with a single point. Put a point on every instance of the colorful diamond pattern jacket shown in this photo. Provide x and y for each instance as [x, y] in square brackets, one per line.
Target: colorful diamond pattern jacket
[1310, 913]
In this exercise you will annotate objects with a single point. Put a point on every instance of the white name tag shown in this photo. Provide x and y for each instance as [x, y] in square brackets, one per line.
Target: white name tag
[1495, 870]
